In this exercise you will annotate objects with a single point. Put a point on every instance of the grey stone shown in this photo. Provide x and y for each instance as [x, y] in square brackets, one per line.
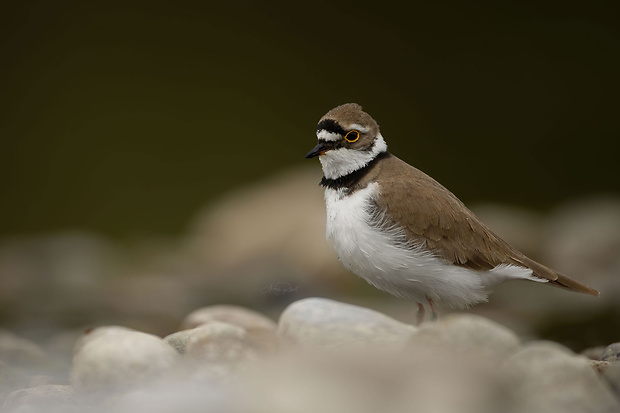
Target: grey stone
[231, 314]
[371, 379]
[468, 334]
[611, 353]
[110, 359]
[177, 396]
[319, 322]
[46, 396]
[261, 340]
[547, 377]
[216, 351]
[221, 342]
[18, 351]
[261, 329]
[11, 378]
[612, 376]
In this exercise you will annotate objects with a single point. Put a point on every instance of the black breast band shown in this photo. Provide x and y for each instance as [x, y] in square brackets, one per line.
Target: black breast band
[349, 180]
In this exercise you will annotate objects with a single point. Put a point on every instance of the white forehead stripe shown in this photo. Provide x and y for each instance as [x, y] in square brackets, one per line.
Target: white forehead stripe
[327, 136]
[359, 127]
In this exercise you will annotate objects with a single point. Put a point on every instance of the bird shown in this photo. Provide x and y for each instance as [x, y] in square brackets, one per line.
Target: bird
[405, 233]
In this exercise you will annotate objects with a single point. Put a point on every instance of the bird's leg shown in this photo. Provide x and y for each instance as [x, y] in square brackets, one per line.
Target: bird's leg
[433, 307]
[420, 316]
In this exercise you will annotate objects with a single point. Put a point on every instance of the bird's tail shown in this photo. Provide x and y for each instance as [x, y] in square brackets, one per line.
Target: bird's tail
[559, 280]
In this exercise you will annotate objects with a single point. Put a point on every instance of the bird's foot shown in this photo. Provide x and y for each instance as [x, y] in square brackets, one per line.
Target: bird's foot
[420, 315]
[433, 307]
[422, 312]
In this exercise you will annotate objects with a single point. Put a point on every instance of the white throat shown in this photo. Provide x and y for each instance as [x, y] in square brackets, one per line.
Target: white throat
[342, 161]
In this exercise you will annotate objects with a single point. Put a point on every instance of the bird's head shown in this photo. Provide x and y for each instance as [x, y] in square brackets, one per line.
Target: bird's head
[349, 138]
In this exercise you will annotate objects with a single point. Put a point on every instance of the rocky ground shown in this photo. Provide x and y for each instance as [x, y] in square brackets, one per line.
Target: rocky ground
[532, 348]
[321, 356]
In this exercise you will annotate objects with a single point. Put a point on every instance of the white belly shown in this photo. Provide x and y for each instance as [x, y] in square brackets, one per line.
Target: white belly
[406, 271]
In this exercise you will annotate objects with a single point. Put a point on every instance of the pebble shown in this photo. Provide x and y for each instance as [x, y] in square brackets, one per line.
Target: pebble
[260, 328]
[612, 376]
[179, 340]
[110, 359]
[468, 334]
[346, 359]
[181, 396]
[547, 377]
[611, 353]
[324, 323]
[218, 342]
[45, 396]
[18, 351]
[231, 314]
[11, 378]
[215, 351]
[368, 380]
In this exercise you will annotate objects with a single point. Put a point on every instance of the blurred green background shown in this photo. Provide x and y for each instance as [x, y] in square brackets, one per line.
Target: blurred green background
[126, 117]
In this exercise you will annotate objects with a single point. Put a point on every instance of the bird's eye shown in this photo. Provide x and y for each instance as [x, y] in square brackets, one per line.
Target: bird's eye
[352, 136]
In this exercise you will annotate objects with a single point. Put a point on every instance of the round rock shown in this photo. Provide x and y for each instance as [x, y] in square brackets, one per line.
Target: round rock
[216, 351]
[11, 378]
[18, 351]
[46, 396]
[324, 323]
[219, 342]
[231, 314]
[110, 359]
[611, 353]
[176, 396]
[612, 376]
[548, 377]
[260, 329]
[468, 334]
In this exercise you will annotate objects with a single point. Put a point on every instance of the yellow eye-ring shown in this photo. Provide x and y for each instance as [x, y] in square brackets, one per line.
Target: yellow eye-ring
[352, 136]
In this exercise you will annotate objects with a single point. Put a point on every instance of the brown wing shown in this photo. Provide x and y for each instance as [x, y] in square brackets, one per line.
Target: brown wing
[433, 215]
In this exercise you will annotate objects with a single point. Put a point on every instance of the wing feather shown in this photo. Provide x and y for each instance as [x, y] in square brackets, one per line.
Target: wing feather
[434, 217]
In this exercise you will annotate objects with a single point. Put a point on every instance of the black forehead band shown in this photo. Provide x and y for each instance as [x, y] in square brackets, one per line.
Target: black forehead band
[330, 125]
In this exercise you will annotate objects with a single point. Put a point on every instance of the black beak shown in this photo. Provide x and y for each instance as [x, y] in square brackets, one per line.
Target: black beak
[319, 149]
